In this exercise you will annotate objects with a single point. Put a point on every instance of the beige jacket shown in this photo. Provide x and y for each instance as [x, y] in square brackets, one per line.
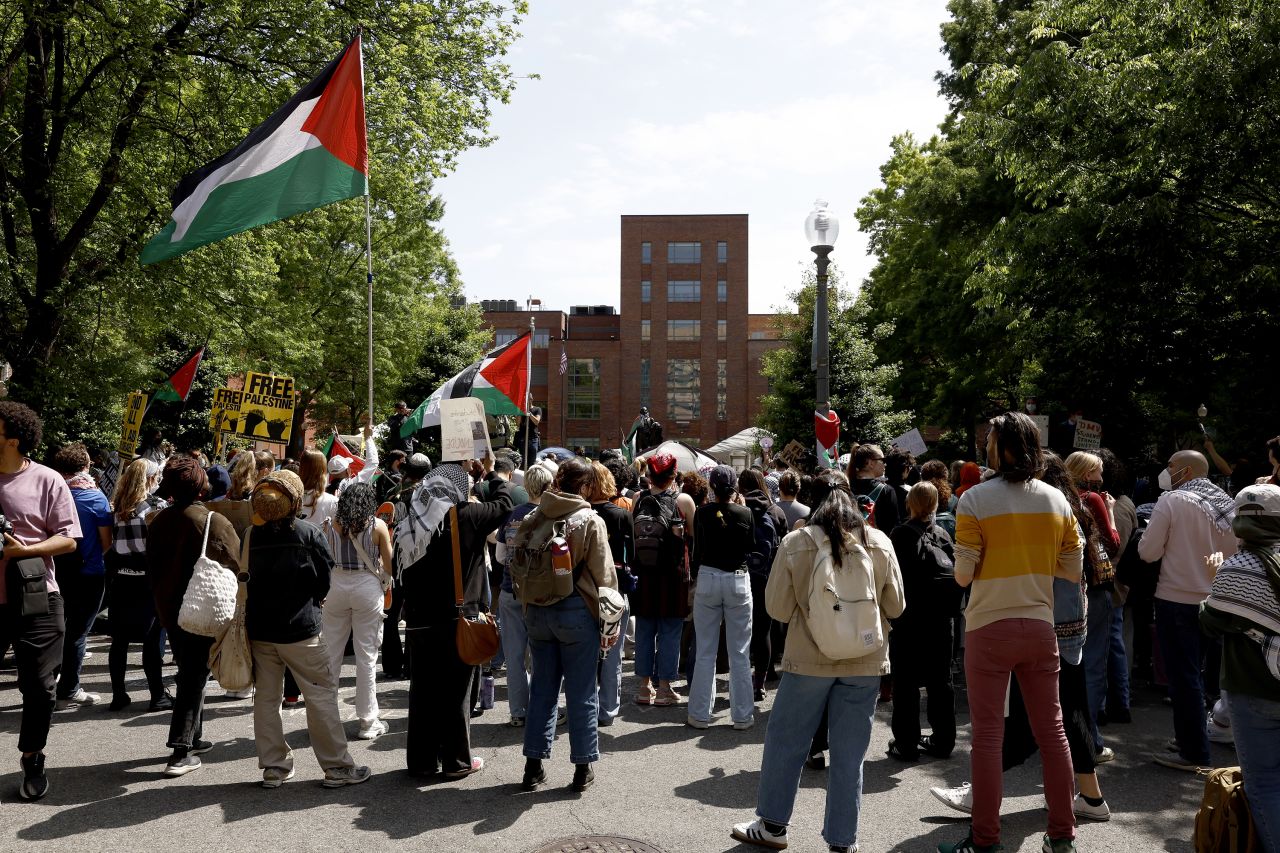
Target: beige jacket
[787, 596]
[588, 543]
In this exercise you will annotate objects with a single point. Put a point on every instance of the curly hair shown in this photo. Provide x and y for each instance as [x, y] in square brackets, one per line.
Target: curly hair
[183, 482]
[695, 486]
[70, 459]
[21, 422]
[356, 508]
[244, 474]
[935, 471]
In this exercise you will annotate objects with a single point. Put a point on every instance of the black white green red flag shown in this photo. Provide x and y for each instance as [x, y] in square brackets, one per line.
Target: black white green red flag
[178, 386]
[500, 379]
[311, 152]
[335, 446]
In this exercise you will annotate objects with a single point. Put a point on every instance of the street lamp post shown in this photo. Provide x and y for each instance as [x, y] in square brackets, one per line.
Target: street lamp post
[822, 227]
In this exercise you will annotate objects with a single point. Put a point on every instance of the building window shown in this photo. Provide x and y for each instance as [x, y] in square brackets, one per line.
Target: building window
[505, 336]
[684, 330]
[590, 445]
[644, 330]
[722, 252]
[722, 291]
[683, 389]
[722, 389]
[722, 330]
[684, 291]
[644, 382]
[583, 398]
[645, 289]
[541, 339]
[646, 253]
[539, 375]
[684, 253]
[758, 336]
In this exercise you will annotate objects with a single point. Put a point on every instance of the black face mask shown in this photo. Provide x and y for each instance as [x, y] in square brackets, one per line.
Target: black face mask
[1093, 485]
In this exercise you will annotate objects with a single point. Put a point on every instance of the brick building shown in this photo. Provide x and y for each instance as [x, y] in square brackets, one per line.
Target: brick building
[682, 344]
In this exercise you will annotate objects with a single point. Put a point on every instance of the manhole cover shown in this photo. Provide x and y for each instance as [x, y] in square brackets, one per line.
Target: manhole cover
[597, 844]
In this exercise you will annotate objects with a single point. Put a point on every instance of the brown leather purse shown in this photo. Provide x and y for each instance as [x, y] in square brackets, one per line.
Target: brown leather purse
[477, 638]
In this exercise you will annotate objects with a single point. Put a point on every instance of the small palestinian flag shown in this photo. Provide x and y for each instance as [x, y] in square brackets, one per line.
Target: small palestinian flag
[311, 152]
[178, 386]
[500, 379]
[337, 447]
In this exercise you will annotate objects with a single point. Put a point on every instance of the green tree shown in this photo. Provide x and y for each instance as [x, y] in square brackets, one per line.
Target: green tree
[859, 382]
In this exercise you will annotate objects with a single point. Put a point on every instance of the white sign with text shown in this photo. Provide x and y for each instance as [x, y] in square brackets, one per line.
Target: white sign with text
[912, 442]
[463, 434]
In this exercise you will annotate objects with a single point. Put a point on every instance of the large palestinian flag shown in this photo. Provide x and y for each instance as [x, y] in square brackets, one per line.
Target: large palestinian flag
[309, 153]
[500, 379]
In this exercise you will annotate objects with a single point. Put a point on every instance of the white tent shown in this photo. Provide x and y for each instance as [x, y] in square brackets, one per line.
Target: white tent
[687, 458]
[740, 447]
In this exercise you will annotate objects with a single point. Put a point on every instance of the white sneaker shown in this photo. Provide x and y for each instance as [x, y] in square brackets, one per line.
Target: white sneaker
[372, 731]
[247, 693]
[1104, 755]
[960, 799]
[755, 833]
[1219, 733]
[1083, 809]
[745, 725]
[79, 699]
[694, 723]
[274, 777]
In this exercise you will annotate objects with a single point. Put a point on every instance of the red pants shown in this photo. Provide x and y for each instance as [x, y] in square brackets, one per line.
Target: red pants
[1029, 648]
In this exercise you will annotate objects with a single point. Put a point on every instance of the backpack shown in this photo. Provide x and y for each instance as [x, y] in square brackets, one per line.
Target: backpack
[938, 552]
[842, 611]
[535, 578]
[658, 547]
[867, 503]
[760, 559]
[1224, 824]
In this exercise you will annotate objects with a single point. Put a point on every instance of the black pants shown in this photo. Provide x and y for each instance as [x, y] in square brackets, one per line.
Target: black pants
[82, 599]
[152, 653]
[392, 648]
[192, 655]
[761, 629]
[439, 735]
[37, 650]
[920, 656]
[1020, 742]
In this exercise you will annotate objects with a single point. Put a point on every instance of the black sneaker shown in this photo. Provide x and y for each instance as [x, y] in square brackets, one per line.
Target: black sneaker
[200, 747]
[583, 777]
[534, 774]
[34, 783]
[181, 764]
[164, 703]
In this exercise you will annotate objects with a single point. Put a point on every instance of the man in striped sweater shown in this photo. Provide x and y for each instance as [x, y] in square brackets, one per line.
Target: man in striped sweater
[1014, 535]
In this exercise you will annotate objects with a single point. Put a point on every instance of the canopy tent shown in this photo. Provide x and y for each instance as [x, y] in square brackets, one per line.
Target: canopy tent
[687, 458]
[741, 445]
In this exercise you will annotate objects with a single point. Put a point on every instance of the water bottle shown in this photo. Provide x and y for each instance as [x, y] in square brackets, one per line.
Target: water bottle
[486, 691]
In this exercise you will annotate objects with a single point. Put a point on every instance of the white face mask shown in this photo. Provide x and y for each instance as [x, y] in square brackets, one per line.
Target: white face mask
[1031, 408]
[1165, 480]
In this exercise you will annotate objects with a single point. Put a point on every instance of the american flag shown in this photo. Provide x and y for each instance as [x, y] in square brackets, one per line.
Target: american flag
[564, 362]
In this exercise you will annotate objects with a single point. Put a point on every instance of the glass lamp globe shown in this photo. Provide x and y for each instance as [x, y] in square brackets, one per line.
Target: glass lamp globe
[821, 226]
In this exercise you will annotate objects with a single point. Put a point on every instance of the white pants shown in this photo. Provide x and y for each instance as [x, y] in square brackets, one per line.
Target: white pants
[354, 608]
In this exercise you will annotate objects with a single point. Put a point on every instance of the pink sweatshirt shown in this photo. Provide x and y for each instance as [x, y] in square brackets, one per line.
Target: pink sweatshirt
[1181, 535]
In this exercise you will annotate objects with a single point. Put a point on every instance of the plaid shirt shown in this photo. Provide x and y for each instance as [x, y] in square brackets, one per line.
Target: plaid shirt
[131, 535]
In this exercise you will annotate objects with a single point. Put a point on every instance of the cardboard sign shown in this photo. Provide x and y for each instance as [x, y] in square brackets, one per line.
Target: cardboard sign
[912, 442]
[266, 408]
[792, 452]
[1042, 424]
[134, 408]
[463, 433]
[1088, 435]
[224, 414]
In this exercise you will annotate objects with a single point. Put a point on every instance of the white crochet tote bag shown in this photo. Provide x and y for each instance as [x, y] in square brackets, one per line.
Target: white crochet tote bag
[209, 603]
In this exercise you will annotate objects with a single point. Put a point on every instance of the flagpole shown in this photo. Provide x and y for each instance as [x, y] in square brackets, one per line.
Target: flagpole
[528, 387]
[368, 246]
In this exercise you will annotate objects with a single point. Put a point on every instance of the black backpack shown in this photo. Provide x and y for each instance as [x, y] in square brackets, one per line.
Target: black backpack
[658, 548]
[760, 560]
[937, 552]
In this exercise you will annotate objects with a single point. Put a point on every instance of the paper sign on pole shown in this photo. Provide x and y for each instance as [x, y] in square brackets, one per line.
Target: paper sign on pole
[1042, 424]
[463, 434]
[1088, 435]
[912, 442]
[134, 408]
[266, 408]
[224, 414]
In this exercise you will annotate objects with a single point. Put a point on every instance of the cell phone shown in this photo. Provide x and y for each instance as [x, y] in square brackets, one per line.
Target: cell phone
[1203, 431]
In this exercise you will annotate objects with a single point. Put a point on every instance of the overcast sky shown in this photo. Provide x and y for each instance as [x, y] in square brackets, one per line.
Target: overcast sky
[685, 106]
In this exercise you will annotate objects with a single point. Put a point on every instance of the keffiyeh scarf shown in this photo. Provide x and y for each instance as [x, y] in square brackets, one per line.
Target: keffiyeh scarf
[1215, 503]
[445, 487]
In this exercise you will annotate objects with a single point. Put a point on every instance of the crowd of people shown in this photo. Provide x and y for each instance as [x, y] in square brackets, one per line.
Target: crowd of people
[1035, 579]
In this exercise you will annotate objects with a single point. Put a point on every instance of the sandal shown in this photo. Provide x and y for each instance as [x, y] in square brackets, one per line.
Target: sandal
[645, 695]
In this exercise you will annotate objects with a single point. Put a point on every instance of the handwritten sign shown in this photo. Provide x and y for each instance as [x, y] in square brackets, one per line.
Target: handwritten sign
[912, 442]
[266, 408]
[1088, 435]
[463, 433]
[1042, 424]
[134, 408]
[224, 414]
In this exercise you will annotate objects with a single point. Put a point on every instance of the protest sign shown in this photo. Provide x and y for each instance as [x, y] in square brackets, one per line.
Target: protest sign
[1042, 424]
[1088, 435]
[463, 434]
[266, 408]
[134, 408]
[912, 442]
[792, 452]
[224, 413]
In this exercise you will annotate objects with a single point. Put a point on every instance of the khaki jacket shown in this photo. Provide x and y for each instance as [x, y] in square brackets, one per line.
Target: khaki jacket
[787, 597]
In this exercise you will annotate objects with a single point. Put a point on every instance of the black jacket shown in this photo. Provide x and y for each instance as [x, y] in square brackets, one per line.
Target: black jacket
[288, 579]
[887, 513]
[428, 584]
[723, 535]
[618, 522]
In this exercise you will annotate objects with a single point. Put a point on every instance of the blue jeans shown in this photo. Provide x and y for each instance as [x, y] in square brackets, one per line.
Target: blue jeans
[664, 634]
[1256, 724]
[1097, 648]
[515, 640]
[797, 707]
[1118, 664]
[1182, 646]
[565, 640]
[610, 673]
[722, 597]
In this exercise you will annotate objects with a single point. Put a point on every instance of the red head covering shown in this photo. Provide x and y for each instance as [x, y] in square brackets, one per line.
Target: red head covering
[661, 463]
[970, 475]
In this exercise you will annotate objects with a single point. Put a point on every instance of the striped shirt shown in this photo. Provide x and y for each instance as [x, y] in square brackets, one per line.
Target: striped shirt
[1012, 540]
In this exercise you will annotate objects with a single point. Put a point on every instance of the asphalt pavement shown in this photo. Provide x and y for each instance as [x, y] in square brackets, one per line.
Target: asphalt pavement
[658, 781]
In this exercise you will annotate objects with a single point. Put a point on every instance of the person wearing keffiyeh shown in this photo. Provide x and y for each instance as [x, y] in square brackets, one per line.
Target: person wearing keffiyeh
[1244, 609]
[1191, 521]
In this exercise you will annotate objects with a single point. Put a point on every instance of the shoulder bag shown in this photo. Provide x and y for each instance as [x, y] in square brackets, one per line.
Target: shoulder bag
[231, 656]
[209, 603]
[477, 638]
[383, 577]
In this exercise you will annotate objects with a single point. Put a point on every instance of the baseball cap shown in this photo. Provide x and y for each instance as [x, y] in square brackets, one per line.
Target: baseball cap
[661, 463]
[1259, 500]
[723, 479]
[219, 482]
[339, 464]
